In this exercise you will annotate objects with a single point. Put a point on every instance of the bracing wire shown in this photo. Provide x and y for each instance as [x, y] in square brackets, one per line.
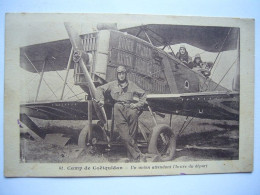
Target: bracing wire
[216, 66]
[74, 95]
[218, 55]
[63, 80]
[26, 84]
[185, 126]
[226, 73]
[39, 73]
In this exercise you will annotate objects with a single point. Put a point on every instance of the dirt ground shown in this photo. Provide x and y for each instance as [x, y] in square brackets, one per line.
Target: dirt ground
[203, 139]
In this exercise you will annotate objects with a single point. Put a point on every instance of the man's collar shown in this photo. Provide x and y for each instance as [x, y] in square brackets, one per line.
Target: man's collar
[123, 85]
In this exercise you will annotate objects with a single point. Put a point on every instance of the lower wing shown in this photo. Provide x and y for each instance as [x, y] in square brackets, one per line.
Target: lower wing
[59, 110]
[211, 105]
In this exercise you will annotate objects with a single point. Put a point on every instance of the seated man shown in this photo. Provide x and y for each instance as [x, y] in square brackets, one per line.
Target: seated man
[197, 62]
[129, 100]
[202, 67]
[183, 56]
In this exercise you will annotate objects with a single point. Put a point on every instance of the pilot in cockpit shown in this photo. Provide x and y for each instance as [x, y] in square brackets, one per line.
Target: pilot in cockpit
[184, 57]
[202, 67]
[197, 62]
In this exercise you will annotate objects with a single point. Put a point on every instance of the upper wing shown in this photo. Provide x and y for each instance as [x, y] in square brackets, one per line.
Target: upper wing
[210, 105]
[55, 54]
[208, 38]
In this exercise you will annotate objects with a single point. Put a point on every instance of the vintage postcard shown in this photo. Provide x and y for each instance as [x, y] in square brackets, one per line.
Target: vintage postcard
[127, 95]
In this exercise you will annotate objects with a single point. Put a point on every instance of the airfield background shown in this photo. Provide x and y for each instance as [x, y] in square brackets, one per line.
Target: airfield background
[196, 184]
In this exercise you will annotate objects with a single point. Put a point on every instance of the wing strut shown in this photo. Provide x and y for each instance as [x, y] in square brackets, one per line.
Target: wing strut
[148, 37]
[236, 79]
[219, 52]
[171, 50]
[144, 29]
[169, 75]
[40, 81]
[165, 45]
[67, 73]
[217, 58]
[139, 32]
[39, 74]
[226, 73]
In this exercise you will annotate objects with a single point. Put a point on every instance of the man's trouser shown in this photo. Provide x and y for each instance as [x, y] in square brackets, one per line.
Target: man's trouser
[126, 121]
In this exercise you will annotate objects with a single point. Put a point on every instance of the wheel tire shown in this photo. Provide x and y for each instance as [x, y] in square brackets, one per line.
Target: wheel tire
[82, 140]
[156, 145]
[83, 136]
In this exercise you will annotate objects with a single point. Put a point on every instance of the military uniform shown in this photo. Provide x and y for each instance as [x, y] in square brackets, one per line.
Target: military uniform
[185, 58]
[195, 63]
[125, 116]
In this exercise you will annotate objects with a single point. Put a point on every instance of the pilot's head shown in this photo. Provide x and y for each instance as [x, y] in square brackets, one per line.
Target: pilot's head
[182, 49]
[121, 74]
[197, 59]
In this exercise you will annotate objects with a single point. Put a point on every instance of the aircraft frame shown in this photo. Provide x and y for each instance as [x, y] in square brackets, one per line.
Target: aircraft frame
[162, 138]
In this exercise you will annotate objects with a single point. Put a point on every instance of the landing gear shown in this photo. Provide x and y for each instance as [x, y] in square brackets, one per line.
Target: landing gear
[162, 142]
[86, 139]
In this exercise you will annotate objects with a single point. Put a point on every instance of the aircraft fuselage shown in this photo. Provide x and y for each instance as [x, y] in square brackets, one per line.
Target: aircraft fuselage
[151, 68]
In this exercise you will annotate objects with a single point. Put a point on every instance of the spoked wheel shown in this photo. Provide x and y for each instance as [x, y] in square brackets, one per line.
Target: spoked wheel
[162, 142]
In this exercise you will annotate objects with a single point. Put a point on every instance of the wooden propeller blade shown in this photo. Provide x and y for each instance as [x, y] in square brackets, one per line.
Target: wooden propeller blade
[77, 46]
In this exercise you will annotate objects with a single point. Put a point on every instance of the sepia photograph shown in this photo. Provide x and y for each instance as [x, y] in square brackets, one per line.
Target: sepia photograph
[128, 95]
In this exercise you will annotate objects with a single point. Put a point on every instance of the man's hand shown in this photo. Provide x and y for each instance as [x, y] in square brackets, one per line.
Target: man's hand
[133, 106]
[100, 103]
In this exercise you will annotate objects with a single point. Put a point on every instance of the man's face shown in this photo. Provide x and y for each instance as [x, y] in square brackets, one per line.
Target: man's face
[182, 50]
[197, 60]
[121, 76]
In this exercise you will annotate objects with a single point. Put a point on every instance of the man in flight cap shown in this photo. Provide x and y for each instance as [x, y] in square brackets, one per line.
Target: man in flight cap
[184, 57]
[128, 100]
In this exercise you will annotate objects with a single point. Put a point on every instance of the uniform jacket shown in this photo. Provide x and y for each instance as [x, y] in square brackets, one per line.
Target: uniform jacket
[130, 93]
[197, 64]
[184, 57]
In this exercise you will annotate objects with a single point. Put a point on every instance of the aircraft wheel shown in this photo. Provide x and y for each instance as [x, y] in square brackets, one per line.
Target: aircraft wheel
[96, 136]
[162, 142]
[82, 140]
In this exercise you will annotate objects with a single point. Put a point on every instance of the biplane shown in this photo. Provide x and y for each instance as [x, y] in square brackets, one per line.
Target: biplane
[172, 87]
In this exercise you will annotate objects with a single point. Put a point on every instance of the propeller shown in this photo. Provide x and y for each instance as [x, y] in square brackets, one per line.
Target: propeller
[81, 57]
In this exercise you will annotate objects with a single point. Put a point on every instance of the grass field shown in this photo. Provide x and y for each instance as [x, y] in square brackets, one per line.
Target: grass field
[202, 139]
